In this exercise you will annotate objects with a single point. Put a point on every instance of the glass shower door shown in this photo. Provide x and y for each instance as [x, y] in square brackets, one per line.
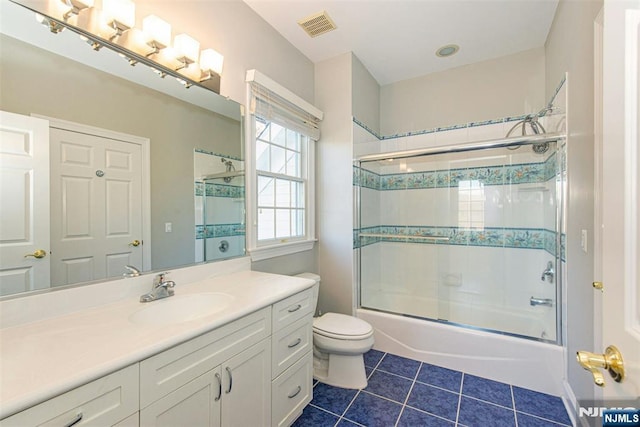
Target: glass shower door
[463, 237]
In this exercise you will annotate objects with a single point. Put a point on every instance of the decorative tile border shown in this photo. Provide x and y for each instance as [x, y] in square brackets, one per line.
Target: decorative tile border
[219, 190]
[524, 173]
[219, 230]
[516, 238]
[211, 153]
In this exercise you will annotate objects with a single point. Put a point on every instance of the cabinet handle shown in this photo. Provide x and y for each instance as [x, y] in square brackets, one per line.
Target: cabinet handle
[219, 387]
[230, 380]
[295, 343]
[295, 393]
[296, 308]
[75, 421]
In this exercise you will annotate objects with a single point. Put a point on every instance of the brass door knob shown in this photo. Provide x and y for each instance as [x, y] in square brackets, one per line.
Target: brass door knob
[39, 253]
[135, 243]
[611, 360]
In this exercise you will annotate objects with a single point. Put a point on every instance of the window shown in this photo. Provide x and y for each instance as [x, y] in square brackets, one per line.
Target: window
[471, 200]
[282, 182]
[283, 129]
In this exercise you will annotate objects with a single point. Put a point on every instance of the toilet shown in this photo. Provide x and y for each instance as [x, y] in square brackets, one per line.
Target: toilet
[339, 342]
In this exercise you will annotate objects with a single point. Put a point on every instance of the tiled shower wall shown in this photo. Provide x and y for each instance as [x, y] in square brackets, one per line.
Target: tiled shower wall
[482, 276]
[224, 202]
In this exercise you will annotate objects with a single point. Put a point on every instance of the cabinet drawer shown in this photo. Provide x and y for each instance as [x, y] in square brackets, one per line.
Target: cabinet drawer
[169, 370]
[103, 402]
[290, 343]
[293, 308]
[292, 391]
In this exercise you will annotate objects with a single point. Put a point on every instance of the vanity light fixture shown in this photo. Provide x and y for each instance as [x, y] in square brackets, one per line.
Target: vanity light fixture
[157, 32]
[52, 25]
[120, 15]
[113, 25]
[76, 6]
[187, 50]
[210, 60]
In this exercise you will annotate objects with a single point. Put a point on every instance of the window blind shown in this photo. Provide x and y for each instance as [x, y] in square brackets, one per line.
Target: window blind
[271, 106]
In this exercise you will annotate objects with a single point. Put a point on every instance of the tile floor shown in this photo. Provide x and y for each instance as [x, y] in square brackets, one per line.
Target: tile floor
[407, 393]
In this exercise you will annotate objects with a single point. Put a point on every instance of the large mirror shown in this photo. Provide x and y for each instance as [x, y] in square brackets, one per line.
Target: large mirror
[189, 142]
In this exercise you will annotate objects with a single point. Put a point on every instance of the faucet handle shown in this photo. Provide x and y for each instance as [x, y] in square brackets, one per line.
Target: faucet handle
[160, 278]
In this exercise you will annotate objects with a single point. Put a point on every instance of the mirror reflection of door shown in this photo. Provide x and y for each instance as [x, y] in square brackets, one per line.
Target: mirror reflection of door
[96, 206]
[24, 195]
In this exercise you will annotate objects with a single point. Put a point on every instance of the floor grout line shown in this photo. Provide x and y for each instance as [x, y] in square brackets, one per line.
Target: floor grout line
[513, 403]
[406, 399]
[459, 399]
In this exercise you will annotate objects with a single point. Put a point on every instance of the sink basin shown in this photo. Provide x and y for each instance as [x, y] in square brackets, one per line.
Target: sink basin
[181, 308]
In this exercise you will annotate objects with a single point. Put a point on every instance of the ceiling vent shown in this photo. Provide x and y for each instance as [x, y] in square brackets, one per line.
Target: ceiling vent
[317, 24]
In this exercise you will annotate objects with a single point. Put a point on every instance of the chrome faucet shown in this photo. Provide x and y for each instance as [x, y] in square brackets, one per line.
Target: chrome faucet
[161, 288]
[548, 302]
[548, 273]
[131, 271]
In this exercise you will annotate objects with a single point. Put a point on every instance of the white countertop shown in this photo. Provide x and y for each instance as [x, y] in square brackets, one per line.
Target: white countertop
[42, 359]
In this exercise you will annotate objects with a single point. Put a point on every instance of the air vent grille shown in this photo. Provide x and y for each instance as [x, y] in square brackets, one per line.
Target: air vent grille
[317, 24]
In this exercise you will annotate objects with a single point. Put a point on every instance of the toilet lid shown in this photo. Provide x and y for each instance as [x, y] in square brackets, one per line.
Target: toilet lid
[334, 324]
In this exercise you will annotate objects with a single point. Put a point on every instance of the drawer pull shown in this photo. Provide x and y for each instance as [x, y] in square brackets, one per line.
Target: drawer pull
[230, 380]
[295, 343]
[296, 308]
[219, 387]
[295, 393]
[75, 421]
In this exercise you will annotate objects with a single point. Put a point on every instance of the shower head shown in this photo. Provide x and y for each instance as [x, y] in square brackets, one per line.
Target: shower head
[540, 148]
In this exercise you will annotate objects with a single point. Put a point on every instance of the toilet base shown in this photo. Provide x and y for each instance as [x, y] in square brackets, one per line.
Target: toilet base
[345, 371]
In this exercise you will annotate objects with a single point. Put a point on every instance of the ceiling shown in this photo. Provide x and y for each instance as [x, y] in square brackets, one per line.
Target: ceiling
[397, 39]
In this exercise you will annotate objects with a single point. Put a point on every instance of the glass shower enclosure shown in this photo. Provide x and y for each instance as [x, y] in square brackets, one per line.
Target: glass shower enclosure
[470, 237]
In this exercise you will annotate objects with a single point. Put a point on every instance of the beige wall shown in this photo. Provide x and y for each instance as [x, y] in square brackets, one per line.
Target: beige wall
[569, 48]
[334, 192]
[36, 81]
[365, 96]
[507, 86]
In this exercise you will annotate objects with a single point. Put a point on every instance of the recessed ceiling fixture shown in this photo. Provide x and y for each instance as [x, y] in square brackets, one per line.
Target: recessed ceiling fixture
[317, 24]
[448, 50]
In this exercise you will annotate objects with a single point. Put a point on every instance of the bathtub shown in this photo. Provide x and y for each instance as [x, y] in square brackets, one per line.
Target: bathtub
[526, 363]
[534, 322]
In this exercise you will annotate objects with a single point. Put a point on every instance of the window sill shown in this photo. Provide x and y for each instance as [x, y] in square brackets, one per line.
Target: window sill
[266, 252]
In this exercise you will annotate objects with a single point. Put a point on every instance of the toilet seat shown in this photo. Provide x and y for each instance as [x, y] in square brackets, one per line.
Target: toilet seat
[341, 326]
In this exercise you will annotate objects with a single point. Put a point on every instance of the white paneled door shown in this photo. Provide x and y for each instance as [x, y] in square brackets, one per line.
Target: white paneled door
[96, 206]
[621, 194]
[24, 203]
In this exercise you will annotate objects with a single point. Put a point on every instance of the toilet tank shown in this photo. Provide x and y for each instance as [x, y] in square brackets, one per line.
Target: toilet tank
[316, 288]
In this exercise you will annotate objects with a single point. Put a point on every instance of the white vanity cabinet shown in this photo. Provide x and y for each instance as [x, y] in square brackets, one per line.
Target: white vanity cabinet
[292, 357]
[105, 401]
[255, 370]
[220, 378]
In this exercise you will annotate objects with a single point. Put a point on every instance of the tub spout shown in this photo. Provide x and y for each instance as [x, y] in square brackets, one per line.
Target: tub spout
[548, 302]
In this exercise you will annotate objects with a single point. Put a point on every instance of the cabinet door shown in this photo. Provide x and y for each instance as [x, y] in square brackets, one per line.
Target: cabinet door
[246, 399]
[196, 403]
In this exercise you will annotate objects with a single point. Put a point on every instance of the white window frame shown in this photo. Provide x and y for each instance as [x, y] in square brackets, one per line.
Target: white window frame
[256, 250]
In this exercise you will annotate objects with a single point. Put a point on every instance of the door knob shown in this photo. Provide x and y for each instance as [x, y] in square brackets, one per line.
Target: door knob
[135, 243]
[611, 360]
[39, 253]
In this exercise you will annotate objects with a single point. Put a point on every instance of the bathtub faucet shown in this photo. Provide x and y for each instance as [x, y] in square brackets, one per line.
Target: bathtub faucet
[548, 273]
[548, 302]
